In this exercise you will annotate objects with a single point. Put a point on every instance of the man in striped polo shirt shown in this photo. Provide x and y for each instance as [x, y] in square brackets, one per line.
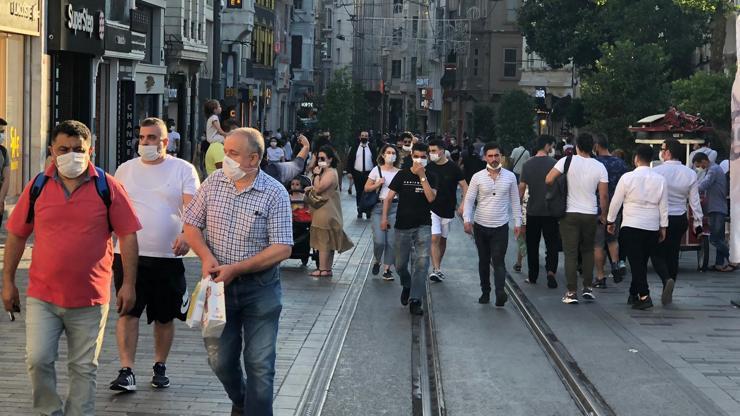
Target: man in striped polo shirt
[494, 189]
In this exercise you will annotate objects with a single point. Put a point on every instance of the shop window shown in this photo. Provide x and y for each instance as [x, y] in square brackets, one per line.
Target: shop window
[396, 68]
[510, 63]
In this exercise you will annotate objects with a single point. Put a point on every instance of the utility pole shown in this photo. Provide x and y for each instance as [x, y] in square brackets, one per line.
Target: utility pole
[216, 71]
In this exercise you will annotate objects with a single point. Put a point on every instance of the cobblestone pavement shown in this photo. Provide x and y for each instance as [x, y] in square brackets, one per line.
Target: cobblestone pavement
[309, 309]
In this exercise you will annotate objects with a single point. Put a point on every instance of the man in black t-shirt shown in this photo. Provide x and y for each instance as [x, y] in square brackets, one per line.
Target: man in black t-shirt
[416, 192]
[448, 177]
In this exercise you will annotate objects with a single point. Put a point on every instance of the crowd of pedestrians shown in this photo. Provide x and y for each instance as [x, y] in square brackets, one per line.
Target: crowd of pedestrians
[239, 222]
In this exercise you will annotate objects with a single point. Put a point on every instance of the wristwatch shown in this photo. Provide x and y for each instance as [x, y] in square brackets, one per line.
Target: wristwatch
[423, 179]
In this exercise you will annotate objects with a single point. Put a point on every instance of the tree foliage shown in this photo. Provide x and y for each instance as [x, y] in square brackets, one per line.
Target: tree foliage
[337, 112]
[706, 94]
[515, 119]
[484, 123]
[630, 82]
[360, 109]
[561, 31]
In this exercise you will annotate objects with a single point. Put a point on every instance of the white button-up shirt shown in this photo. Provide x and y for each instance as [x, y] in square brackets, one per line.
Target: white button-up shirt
[682, 185]
[644, 195]
[494, 197]
[368, 158]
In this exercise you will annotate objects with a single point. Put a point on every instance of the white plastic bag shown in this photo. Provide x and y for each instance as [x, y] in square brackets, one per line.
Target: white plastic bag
[214, 310]
[197, 302]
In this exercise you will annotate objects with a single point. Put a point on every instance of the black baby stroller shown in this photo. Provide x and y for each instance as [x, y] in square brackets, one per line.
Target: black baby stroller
[301, 223]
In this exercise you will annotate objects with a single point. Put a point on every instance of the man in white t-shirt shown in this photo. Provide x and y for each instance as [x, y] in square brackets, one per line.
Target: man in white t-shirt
[585, 176]
[159, 187]
[275, 153]
[173, 139]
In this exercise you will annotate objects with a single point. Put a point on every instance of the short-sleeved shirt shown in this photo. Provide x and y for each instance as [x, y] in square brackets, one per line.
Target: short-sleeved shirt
[4, 161]
[156, 192]
[174, 138]
[447, 176]
[211, 131]
[412, 202]
[274, 154]
[534, 172]
[240, 224]
[584, 176]
[214, 154]
[73, 250]
[615, 168]
[388, 176]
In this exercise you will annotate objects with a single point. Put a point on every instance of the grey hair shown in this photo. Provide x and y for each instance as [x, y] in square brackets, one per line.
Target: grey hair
[255, 141]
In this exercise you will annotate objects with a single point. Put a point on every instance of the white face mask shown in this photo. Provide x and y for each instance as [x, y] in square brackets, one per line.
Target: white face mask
[72, 164]
[406, 148]
[323, 164]
[422, 162]
[492, 167]
[660, 156]
[433, 157]
[273, 144]
[390, 158]
[699, 170]
[2, 137]
[453, 142]
[149, 153]
[552, 152]
[232, 170]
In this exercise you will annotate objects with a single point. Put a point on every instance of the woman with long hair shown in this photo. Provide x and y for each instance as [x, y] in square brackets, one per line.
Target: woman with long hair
[379, 179]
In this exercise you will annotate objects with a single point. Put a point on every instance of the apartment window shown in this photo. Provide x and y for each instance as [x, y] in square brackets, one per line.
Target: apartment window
[328, 47]
[413, 69]
[338, 56]
[403, 67]
[397, 35]
[397, 6]
[339, 26]
[185, 27]
[327, 18]
[200, 31]
[414, 26]
[510, 63]
[396, 68]
[298, 4]
[475, 67]
[296, 51]
[511, 10]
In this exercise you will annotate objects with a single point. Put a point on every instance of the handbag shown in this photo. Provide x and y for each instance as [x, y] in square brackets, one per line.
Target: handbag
[314, 200]
[368, 200]
[556, 197]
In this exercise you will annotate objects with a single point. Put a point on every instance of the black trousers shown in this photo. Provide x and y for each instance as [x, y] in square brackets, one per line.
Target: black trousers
[359, 179]
[491, 244]
[639, 245]
[665, 259]
[546, 227]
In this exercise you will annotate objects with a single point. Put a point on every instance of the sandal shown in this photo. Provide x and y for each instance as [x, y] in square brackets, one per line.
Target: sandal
[316, 273]
[723, 269]
[518, 268]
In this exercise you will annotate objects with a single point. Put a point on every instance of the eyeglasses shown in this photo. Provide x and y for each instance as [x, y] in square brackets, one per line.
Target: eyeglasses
[322, 159]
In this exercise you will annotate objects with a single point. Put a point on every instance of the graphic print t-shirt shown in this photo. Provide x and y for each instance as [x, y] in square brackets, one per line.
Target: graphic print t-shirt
[413, 207]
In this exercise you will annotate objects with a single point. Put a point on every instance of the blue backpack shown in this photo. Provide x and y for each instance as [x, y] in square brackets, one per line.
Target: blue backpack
[101, 186]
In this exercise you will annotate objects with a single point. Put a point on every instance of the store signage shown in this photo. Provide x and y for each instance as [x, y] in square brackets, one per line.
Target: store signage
[77, 26]
[422, 82]
[118, 40]
[20, 16]
[307, 105]
[126, 113]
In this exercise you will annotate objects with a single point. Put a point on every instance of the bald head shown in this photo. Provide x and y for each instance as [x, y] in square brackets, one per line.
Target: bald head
[249, 139]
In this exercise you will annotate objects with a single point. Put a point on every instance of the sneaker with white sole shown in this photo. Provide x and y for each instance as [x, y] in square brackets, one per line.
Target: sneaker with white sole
[159, 379]
[588, 294]
[126, 381]
[434, 276]
[388, 276]
[570, 298]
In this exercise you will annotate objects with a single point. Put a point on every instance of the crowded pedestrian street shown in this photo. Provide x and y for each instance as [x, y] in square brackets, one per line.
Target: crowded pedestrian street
[344, 347]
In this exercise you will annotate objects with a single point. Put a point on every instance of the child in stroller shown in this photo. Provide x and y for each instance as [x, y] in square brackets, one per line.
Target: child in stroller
[301, 219]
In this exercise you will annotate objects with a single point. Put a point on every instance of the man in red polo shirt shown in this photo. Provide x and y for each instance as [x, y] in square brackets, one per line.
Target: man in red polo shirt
[70, 272]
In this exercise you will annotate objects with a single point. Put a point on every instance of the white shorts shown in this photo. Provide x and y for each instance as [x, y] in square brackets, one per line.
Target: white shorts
[440, 225]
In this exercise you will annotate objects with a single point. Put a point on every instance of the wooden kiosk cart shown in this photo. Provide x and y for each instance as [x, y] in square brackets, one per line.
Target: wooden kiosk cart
[688, 130]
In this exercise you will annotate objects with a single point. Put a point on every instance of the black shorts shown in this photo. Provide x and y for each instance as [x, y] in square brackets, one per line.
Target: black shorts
[160, 288]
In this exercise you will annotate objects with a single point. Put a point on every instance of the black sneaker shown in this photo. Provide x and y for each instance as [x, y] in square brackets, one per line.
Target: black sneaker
[237, 411]
[415, 307]
[485, 298]
[159, 380]
[434, 276]
[405, 296]
[552, 283]
[631, 299]
[388, 276]
[588, 294]
[620, 271]
[600, 283]
[570, 298]
[643, 304]
[501, 298]
[126, 381]
[667, 296]
[376, 269]
[735, 302]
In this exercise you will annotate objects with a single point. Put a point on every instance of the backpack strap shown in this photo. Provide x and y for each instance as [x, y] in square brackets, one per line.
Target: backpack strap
[567, 164]
[38, 185]
[101, 186]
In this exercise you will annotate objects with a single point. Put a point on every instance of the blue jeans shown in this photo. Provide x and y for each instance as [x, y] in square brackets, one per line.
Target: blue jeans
[717, 237]
[253, 305]
[383, 241]
[420, 240]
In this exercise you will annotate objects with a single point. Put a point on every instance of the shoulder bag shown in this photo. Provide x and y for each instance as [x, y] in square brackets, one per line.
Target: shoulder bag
[368, 200]
[556, 197]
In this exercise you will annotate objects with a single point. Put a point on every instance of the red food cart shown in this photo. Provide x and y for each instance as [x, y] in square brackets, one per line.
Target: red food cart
[688, 130]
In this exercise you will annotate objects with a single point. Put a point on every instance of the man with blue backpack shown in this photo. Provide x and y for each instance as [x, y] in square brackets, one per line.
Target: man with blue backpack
[71, 208]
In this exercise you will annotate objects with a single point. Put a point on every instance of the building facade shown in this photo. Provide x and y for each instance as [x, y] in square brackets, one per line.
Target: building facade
[301, 104]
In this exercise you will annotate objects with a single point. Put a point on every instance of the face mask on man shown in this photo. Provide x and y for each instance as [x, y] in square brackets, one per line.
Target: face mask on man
[232, 170]
[273, 144]
[453, 142]
[406, 148]
[492, 166]
[149, 153]
[72, 164]
[660, 156]
[699, 170]
[363, 140]
[421, 161]
[433, 157]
